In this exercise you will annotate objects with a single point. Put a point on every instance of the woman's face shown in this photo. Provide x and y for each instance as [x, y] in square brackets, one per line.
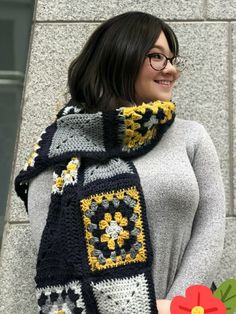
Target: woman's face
[154, 85]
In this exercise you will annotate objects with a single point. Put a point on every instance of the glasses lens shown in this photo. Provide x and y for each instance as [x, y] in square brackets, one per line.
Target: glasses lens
[158, 61]
[180, 63]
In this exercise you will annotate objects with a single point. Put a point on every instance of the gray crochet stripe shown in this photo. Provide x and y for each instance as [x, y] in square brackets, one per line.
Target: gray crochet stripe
[123, 296]
[113, 167]
[78, 132]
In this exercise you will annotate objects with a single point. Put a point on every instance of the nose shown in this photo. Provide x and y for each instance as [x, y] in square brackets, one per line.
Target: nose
[170, 68]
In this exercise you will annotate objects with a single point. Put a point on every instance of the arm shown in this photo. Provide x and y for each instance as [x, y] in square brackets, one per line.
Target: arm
[205, 247]
[39, 196]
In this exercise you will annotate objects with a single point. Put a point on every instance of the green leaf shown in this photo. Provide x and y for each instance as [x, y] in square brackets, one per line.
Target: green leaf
[226, 292]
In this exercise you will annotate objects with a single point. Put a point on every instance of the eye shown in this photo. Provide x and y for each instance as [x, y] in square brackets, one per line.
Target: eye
[156, 56]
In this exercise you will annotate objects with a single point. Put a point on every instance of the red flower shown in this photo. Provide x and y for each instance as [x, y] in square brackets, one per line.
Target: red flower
[199, 300]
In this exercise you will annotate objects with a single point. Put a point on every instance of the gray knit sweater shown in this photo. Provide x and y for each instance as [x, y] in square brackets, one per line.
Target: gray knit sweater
[185, 203]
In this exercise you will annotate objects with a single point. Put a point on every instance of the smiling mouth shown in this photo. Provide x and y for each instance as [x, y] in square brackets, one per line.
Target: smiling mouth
[164, 83]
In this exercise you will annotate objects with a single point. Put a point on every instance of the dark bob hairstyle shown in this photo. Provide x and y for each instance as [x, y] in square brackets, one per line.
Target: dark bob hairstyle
[103, 76]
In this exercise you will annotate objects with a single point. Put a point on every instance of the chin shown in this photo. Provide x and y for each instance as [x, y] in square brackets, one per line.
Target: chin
[165, 97]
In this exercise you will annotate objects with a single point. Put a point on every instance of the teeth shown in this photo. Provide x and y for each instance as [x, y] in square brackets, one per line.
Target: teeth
[164, 82]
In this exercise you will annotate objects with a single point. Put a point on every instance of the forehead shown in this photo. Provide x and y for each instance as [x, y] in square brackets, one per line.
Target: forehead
[162, 43]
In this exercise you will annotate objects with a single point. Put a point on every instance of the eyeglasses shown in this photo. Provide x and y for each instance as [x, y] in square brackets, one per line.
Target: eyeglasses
[158, 61]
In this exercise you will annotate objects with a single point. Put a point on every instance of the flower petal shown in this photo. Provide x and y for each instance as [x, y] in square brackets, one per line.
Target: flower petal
[118, 217]
[111, 244]
[120, 241]
[124, 234]
[105, 237]
[108, 217]
[180, 305]
[123, 222]
[103, 224]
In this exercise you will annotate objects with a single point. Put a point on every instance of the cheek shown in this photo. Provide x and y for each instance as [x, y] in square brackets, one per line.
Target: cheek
[144, 77]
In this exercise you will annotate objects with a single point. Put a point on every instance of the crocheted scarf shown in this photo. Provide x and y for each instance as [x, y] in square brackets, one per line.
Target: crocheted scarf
[95, 254]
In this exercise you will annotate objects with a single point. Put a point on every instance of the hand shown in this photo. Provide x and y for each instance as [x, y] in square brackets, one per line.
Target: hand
[163, 306]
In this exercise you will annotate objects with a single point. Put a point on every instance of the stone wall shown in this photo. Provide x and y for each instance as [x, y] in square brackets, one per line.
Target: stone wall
[206, 92]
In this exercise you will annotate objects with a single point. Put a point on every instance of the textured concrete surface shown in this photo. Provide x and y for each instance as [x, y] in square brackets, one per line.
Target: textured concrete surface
[53, 48]
[233, 34]
[55, 45]
[17, 271]
[74, 10]
[221, 9]
[17, 293]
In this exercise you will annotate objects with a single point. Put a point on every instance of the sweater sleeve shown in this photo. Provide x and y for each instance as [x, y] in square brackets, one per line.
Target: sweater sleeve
[39, 196]
[205, 247]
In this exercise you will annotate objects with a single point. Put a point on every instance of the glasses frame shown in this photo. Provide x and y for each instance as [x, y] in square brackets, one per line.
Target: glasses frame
[150, 55]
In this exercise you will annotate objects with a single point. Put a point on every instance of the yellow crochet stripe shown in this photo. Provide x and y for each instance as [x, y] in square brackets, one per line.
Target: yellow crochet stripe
[134, 139]
[34, 153]
[138, 111]
[142, 253]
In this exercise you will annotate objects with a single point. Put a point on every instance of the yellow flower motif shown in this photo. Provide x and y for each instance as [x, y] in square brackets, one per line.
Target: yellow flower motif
[114, 230]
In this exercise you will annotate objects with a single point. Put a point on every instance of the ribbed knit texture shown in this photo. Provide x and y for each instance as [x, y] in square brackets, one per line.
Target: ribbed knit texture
[95, 254]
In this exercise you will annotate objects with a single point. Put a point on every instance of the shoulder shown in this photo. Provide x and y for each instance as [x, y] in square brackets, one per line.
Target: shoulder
[191, 134]
[190, 131]
[189, 125]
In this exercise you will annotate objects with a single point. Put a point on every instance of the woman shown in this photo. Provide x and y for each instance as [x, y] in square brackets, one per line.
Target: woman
[136, 213]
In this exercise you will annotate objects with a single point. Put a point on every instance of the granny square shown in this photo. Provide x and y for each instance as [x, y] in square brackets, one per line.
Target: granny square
[114, 229]
[123, 296]
[61, 299]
